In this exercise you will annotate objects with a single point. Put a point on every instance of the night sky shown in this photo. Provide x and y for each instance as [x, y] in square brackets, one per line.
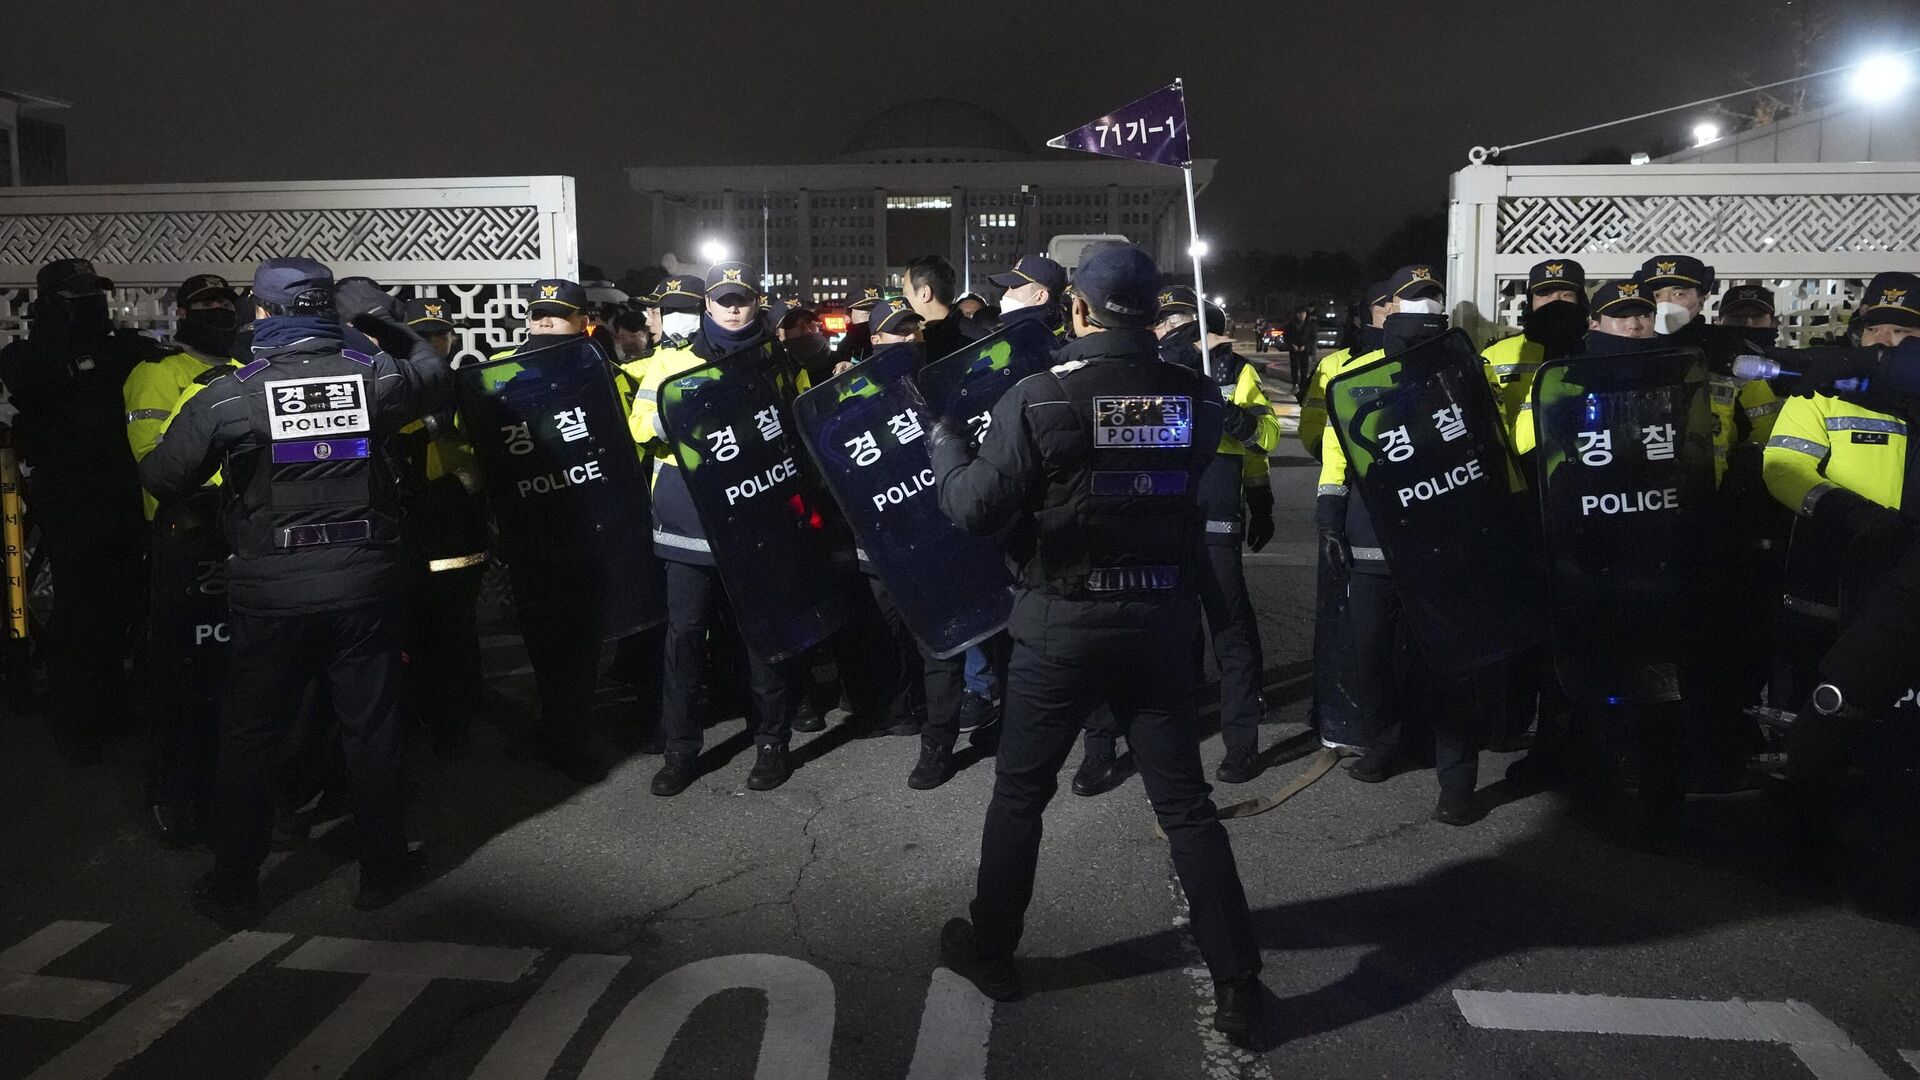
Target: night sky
[1332, 121]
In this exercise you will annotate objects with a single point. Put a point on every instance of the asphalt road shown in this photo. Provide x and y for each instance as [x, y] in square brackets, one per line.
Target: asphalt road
[603, 932]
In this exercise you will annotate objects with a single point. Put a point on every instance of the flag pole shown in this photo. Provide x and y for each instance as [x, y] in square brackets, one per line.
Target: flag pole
[1193, 238]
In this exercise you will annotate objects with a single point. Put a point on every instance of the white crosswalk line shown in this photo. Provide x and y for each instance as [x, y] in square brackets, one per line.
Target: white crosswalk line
[396, 971]
[799, 1027]
[532, 1043]
[154, 1013]
[955, 1025]
[26, 992]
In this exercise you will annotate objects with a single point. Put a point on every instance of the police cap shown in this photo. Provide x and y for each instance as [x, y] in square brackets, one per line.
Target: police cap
[1893, 297]
[894, 316]
[726, 279]
[1413, 282]
[205, 287]
[293, 282]
[1556, 274]
[1380, 294]
[1034, 270]
[557, 296]
[428, 315]
[682, 292]
[1173, 300]
[74, 276]
[866, 297]
[1622, 298]
[1747, 298]
[1683, 271]
[1119, 283]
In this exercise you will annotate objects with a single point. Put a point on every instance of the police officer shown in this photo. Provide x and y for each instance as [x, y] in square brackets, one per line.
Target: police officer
[1553, 325]
[1035, 287]
[726, 329]
[1366, 339]
[445, 533]
[1091, 471]
[558, 624]
[186, 630]
[1622, 319]
[857, 343]
[65, 379]
[1238, 505]
[313, 516]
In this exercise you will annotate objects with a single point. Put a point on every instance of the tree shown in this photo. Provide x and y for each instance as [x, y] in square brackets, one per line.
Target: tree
[1421, 238]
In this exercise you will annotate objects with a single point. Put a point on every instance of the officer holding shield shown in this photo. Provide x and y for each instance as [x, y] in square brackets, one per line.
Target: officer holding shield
[313, 517]
[1091, 473]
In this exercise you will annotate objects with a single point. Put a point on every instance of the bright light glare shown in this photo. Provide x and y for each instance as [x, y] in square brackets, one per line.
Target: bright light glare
[713, 251]
[1640, 159]
[1220, 301]
[1705, 133]
[1198, 249]
[1879, 79]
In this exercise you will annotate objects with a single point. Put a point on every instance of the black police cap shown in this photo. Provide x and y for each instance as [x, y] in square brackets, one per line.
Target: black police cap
[557, 296]
[682, 292]
[428, 314]
[1747, 298]
[1034, 270]
[1892, 297]
[286, 282]
[1410, 282]
[1683, 271]
[205, 287]
[1556, 274]
[1622, 298]
[868, 296]
[72, 276]
[731, 279]
[1119, 283]
[893, 316]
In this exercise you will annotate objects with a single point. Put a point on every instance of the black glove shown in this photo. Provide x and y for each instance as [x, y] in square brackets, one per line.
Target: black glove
[1240, 423]
[1334, 549]
[366, 306]
[1259, 517]
[1859, 519]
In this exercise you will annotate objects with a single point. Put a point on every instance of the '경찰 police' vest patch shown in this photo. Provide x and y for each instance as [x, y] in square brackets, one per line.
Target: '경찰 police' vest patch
[318, 407]
[1143, 422]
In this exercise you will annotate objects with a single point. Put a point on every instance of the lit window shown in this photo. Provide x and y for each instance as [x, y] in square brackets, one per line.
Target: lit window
[919, 202]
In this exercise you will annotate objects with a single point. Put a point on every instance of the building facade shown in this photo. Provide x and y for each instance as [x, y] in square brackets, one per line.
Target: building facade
[935, 176]
[33, 145]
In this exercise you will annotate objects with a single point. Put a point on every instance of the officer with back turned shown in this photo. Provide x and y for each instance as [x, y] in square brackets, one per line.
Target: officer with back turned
[1091, 471]
[313, 518]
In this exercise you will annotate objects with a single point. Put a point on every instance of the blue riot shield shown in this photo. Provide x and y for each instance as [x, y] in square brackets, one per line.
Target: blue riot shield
[564, 482]
[866, 429]
[1426, 448]
[965, 385]
[774, 533]
[1626, 481]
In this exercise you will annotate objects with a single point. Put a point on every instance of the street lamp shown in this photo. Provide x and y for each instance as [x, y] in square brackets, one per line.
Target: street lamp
[1220, 302]
[713, 251]
[1878, 80]
[1706, 133]
[1198, 249]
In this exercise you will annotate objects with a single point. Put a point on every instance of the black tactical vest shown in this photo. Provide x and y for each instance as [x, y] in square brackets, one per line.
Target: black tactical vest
[1121, 519]
[312, 476]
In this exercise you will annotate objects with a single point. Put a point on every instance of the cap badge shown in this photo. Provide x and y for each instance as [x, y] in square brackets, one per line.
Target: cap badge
[1556, 269]
[1166, 298]
[1892, 297]
[1666, 267]
[1422, 273]
[433, 310]
[873, 293]
[1629, 290]
[897, 304]
[732, 274]
[549, 292]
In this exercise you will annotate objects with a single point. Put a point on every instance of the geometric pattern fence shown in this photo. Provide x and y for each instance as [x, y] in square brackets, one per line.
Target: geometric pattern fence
[1710, 224]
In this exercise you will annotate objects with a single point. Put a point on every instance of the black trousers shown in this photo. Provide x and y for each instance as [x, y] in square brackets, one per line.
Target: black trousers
[1299, 370]
[560, 623]
[694, 598]
[1069, 658]
[922, 686]
[443, 647]
[1400, 699]
[96, 548]
[356, 652]
[187, 637]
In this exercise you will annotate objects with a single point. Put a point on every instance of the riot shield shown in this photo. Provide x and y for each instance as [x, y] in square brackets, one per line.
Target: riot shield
[772, 530]
[1427, 450]
[963, 386]
[865, 430]
[1626, 481]
[564, 482]
[188, 583]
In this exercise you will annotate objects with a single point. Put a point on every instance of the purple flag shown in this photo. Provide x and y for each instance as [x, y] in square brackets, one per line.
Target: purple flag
[1153, 129]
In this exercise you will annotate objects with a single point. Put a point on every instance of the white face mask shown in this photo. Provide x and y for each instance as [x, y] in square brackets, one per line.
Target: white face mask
[1420, 307]
[1669, 318]
[1010, 303]
[679, 323]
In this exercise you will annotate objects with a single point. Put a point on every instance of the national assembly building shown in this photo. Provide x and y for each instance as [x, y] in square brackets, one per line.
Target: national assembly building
[928, 177]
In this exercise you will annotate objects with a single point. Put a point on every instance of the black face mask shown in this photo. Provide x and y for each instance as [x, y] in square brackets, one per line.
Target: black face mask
[1404, 330]
[211, 331]
[88, 312]
[1559, 327]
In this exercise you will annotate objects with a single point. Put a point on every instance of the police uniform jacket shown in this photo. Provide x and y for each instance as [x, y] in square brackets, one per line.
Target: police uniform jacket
[1335, 508]
[313, 523]
[1250, 432]
[1823, 442]
[1081, 517]
[153, 390]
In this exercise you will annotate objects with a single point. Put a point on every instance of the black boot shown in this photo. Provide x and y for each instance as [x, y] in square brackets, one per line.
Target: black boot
[1375, 766]
[1238, 767]
[770, 769]
[934, 768]
[382, 881]
[1234, 1005]
[677, 771]
[1457, 807]
[993, 976]
[1097, 774]
[976, 711]
[232, 900]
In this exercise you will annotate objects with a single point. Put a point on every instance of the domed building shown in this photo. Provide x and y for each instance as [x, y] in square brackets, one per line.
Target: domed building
[934, 176]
